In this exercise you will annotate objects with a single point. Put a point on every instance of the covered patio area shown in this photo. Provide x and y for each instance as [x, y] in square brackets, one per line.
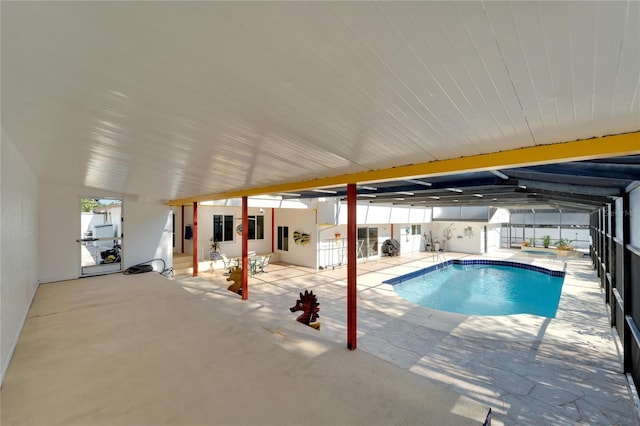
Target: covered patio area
[144, 349]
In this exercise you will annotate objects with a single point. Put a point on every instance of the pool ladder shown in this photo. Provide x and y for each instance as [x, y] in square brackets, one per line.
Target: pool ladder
[439, 257]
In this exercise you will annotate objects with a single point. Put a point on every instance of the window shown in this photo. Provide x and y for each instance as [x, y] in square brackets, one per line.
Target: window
[415, 229]
[367, 242]
[222, 227]
[256, 227]
[283, 238]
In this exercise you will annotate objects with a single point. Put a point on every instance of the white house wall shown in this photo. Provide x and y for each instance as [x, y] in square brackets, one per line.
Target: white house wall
[59, 252]
[466, 237]
[328, 211]
[230, 248]
[409, 243]
[188, 221]
[18, 246]
[301, 221]
[90, 221]
[145, 230]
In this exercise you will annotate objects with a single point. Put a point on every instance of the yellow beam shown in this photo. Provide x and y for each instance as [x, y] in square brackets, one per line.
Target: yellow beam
[600, 147]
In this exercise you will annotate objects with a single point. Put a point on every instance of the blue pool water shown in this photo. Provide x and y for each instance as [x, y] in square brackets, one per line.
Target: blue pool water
[499, 288]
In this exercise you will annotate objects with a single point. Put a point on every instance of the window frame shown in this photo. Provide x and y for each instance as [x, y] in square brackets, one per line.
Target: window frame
[256, 227]
[283, 238]
[225, 223]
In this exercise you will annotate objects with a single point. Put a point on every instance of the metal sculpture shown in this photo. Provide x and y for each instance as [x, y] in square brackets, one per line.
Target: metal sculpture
[301, 238]
[310, 307]
[235, 275]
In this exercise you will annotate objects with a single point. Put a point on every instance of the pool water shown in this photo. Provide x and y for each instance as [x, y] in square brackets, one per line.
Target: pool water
[482, 289]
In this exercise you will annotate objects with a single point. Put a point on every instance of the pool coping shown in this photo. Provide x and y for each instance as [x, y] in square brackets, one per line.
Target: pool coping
[465, 262]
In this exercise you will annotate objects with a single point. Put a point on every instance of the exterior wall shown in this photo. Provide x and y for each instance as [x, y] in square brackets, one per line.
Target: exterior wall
[146, 229]
[409, 243]
[301, 221]
[89, 221]
[466, 237]
[58, 251]
[188, 221]
[230, 248]
[18, 246]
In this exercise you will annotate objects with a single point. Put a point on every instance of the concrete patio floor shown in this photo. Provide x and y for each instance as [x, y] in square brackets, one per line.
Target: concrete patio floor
[529, 369]
[147, 350]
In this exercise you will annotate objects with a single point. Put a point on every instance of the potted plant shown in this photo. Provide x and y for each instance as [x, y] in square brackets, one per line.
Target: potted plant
[213, 249]
[546, 240]
[564, 244]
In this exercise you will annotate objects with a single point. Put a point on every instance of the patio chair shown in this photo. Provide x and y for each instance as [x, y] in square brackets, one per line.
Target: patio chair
[263, 264]
[228, 263]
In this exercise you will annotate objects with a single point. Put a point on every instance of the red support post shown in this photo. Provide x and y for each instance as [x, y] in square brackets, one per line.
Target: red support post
[182, 233]
[352, 266]
[245, 248]
[273, 229]
[195, 239]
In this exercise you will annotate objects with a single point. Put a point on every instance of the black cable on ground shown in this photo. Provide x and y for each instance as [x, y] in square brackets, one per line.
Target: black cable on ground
[148, 267]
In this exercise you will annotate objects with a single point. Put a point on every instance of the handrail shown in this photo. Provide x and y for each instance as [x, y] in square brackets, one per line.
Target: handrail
[439, 256]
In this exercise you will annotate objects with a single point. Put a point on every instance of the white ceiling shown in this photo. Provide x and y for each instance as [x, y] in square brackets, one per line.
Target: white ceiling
[165, 100]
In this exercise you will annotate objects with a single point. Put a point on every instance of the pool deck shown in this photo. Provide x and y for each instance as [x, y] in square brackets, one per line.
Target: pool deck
[529, 369]
[142, 350]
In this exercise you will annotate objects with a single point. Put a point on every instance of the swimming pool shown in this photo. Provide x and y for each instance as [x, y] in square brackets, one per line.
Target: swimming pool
[483, 287]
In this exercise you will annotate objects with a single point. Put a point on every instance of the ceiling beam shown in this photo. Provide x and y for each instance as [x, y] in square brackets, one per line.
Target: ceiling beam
[601, 169]
[598, 147]
[575, 178]
[590, 199]
[535, 185]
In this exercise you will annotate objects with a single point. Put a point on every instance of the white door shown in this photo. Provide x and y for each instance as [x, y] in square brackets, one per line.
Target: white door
[101, 236]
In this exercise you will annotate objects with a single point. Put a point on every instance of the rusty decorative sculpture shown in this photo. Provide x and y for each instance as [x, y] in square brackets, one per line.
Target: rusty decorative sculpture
[236, 276]
[310, 307]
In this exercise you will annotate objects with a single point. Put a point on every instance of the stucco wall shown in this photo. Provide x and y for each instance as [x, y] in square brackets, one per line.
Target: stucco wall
[230, 248]
[146, 228]
[466, 237]
[18, 246]
[302, 221]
